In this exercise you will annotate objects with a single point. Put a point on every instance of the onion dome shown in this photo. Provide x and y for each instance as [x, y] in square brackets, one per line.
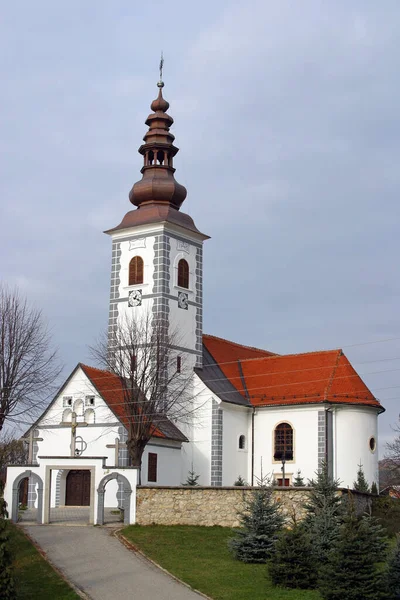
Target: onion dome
[158, 184]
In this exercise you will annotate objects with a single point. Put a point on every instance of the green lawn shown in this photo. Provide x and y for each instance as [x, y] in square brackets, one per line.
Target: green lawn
[35, 578]
[200, 557]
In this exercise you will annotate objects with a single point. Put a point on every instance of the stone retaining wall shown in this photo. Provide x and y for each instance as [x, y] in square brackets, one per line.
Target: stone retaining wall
[215, 505]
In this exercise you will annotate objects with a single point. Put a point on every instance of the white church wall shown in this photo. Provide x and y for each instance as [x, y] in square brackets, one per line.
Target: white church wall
[196, 454]
[236, 421]
[168, 462]
[304, 421]
[353, 429]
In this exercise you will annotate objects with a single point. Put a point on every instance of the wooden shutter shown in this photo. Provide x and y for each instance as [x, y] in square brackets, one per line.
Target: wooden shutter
[136, 270]
[183, 274]
[152, 467]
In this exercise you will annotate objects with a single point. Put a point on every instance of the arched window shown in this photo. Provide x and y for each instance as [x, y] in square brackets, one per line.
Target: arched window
[78, 407]
[242, 442]
[136, 270]
[283, 442]
[89, 415]
[67, 416]
[183, 273]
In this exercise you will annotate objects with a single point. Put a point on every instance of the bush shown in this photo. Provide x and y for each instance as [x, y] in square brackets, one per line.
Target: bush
[387, 511]
[393, 573]
[261, 521]
[293, 565]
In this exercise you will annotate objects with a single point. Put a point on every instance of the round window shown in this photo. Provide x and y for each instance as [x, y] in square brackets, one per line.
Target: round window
[372, 444]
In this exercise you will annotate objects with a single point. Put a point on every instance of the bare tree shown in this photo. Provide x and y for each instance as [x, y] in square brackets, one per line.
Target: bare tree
[155, 381]
[12, 451]
[28, 364]
[389, 467]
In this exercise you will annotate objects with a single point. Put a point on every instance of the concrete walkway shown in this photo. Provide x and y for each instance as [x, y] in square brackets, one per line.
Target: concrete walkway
[97, 563]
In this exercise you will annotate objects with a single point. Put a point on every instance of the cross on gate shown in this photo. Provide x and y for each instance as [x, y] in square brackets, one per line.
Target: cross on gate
[30, 440]
[73, 424]
[117, 446]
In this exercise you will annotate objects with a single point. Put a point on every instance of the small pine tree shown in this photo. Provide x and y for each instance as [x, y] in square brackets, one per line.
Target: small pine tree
[324, 512]
[191, 480]
[393, 573]
[240, 482]
[374, 489]
[351, 571]
[261, 522]
[292, 565]
[298, 480]
[361, 485]
[7, 584]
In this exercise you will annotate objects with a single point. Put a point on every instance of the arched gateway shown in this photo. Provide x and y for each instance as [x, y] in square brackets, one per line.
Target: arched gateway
[15, 494]
[126, 497]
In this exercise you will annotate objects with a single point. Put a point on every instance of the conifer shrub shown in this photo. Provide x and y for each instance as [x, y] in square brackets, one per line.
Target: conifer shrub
[261, 521]
[361, 484]
[240, 482]
[7, 584]
[192, 479]
[298, 480]
[352, 570]
[292, 565]
[324, 512]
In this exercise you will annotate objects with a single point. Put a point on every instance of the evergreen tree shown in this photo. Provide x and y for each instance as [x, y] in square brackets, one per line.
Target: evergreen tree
[351, 571]
[240, 482]
[361, 485]
[374, 489]
[298, 480]
[261, 522]
[191, 480]
[293, 565]
[7, 585]
[324, 511]
[393, 573]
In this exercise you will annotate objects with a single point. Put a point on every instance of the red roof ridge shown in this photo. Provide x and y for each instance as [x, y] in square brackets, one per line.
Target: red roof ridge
[332, 375]
[83, 366]
[313, 352]
[215, 337]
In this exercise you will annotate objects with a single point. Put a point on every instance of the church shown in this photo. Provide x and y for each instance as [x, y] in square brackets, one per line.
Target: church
[259, 413]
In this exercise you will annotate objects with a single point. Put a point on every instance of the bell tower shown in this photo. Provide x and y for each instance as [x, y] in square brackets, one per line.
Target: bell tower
[157, 251]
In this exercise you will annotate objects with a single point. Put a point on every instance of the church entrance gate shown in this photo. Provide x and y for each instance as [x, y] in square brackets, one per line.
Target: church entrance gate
[77, 490]
[16, 494]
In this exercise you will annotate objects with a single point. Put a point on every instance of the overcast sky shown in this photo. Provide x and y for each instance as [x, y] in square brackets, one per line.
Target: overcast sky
[287, 119]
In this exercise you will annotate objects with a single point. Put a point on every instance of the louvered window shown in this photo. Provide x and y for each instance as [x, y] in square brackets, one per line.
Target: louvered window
[183, 274]
[136, 269]
[152, 467]
[283, 446]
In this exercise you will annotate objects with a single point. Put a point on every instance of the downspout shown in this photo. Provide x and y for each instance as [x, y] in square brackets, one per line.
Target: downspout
[252, 419]
[329, 442]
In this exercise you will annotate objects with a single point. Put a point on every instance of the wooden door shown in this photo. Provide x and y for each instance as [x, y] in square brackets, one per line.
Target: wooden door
[77, 491]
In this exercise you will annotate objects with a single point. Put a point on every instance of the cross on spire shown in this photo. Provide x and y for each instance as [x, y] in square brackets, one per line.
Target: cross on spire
[161, 83]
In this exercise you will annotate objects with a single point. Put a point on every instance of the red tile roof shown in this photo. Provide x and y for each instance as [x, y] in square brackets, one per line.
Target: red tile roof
[227, 354]
[268, 379]
[110, 389]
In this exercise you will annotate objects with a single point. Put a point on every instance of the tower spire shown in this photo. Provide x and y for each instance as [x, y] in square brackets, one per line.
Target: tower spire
[158, 184]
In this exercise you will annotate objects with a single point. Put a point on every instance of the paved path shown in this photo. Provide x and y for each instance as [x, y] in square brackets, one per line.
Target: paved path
[97, 563]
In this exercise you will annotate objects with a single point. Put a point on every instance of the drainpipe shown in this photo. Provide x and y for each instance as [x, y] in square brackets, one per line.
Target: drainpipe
[252, 419]
[252, 445]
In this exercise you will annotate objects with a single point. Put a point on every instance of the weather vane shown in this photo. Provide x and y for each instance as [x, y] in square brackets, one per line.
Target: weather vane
[161, 83]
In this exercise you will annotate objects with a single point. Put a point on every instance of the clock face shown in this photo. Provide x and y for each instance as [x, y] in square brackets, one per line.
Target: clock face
[183, 300]
[135, 298]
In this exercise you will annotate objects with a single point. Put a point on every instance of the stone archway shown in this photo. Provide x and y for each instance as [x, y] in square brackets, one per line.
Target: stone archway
[126, 497]
[15, 495]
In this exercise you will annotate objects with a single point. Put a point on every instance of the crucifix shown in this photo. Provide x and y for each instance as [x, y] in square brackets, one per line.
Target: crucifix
[117, 446]
[30, 440]
[73, 424]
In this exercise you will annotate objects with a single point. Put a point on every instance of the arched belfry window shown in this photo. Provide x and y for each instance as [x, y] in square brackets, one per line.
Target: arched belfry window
[283, 442]
[242, 442]
[136, 270]
[183, 273]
